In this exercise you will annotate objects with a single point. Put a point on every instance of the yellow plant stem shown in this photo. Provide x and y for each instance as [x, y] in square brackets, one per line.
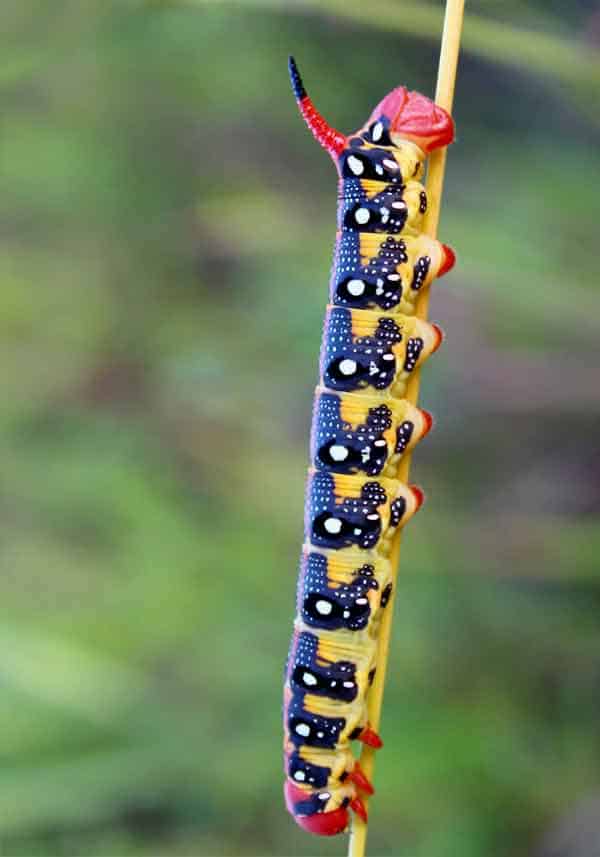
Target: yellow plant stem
[435, 181]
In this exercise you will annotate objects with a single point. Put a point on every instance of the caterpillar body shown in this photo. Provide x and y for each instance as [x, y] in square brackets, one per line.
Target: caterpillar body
[362, 426]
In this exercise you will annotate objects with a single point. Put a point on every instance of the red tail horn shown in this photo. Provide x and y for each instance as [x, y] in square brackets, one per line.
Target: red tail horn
[328, 137]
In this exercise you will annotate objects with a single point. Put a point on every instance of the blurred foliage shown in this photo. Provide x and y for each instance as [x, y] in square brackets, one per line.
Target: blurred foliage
[167, 231]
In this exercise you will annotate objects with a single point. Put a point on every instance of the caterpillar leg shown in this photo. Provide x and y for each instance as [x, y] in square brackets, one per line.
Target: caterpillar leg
[369, 737]
[360, 779]
[359, 808]
[448, 260]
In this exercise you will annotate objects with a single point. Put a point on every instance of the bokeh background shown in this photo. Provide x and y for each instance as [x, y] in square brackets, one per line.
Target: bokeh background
[167, 226]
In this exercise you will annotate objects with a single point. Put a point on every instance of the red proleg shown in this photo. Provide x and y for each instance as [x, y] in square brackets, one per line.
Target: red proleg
[418, 494]
[359, 808]
[359, 778]
[428, 420]
[440, 337]
[448, 260]
[371, 738]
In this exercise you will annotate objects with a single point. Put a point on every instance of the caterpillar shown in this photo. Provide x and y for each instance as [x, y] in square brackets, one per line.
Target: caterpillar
[362, 426]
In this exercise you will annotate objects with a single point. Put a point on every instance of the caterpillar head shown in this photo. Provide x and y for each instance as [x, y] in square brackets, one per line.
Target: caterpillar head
[411, 116]
[401, 115]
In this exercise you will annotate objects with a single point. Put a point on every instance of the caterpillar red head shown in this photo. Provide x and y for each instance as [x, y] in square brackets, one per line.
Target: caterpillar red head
[401, 115]
[411, 116]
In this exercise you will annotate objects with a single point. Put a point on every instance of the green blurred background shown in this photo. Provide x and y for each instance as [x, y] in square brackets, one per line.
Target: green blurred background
[167, 226]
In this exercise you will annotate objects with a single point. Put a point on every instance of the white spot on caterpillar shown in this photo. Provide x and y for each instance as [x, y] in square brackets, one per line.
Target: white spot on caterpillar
[362, 215]
[333, 525]
[308, 678]
[377, 132]
[356, 165]
[348, 367]
[338, 453]
[300, 776]
[323, 607]
[303, 729]
[356, 287]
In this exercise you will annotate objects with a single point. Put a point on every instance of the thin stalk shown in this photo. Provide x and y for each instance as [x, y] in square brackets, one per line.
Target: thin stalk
[435, 180]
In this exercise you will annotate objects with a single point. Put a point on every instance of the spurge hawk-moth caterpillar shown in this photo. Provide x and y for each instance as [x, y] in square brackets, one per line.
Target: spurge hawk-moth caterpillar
[362, 426]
